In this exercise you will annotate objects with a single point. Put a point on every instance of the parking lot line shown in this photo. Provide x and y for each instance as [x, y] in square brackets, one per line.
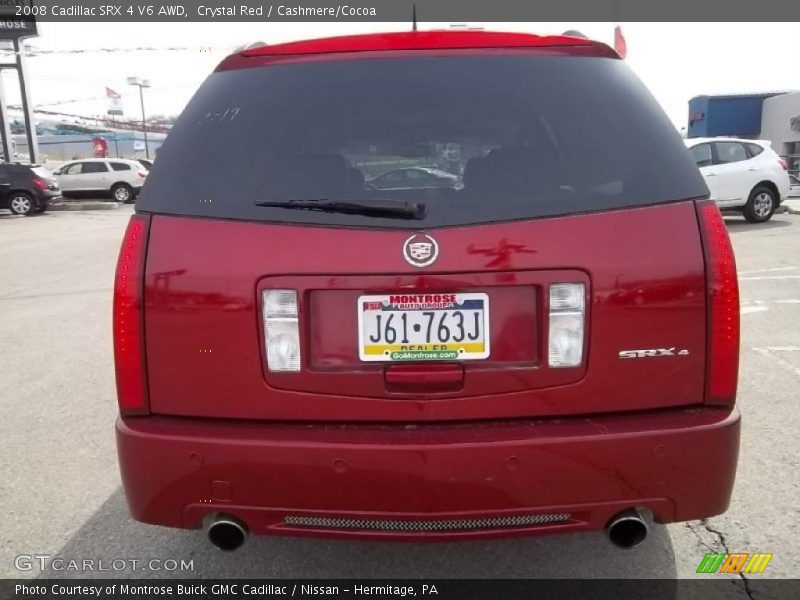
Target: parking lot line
[769, 277]
[770, 353]
[770, 270]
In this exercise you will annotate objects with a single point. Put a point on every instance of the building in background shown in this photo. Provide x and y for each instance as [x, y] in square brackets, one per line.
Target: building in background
[61, 140]
[773, 116]
[780, 124]
[59, 148]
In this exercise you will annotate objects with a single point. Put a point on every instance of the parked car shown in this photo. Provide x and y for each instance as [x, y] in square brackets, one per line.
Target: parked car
[746, 175]
[25, 189]
[550, 349]
[794, 186]
[414, 177]
[118, 178]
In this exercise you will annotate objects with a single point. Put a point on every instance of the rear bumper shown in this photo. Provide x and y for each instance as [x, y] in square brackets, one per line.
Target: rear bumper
[47, 201]
[346, 481]
[45, 197]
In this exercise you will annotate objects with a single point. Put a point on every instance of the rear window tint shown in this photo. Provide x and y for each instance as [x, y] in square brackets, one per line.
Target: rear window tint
[501, 137]
[730, 152]
[14, 168]
[120, 166]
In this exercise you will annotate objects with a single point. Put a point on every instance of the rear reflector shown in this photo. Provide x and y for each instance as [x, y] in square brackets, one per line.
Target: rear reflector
[281, 330]
[128, 319]
[723, 307]
[565, 337]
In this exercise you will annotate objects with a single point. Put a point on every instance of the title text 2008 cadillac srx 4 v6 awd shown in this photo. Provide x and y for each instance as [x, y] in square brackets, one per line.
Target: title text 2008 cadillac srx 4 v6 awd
[530, 326]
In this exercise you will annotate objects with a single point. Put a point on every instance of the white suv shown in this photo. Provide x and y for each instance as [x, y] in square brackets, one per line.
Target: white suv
[119, 177]
[742, 174]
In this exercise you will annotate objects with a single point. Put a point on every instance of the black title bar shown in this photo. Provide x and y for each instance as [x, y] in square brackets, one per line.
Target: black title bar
[443, 11]
[705, 587]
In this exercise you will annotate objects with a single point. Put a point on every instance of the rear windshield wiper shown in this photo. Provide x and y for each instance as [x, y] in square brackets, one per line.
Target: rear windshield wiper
[392, 209]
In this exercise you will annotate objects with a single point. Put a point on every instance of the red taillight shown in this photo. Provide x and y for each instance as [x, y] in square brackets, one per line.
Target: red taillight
[723, 307]
[40, 183]
[783, 163]
[128, 320]
[142, 174]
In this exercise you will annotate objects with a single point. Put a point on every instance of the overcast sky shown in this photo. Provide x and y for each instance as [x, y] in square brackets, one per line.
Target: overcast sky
[676, 61]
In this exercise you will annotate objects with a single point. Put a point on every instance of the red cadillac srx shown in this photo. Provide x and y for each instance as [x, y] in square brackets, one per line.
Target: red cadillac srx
[425, 285]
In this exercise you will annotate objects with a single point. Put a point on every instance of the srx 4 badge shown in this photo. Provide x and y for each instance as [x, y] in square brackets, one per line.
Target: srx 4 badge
[649, 352]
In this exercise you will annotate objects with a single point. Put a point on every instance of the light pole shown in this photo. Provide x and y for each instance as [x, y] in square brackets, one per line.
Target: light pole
[142, 83]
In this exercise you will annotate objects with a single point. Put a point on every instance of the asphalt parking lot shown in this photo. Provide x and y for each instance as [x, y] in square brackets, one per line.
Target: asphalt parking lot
[61, 492]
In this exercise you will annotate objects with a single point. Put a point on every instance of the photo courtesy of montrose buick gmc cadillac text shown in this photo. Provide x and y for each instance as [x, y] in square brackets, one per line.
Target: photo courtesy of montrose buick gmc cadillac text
[544, 340]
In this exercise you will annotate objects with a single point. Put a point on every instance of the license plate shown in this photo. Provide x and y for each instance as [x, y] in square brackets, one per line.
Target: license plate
[423, 327]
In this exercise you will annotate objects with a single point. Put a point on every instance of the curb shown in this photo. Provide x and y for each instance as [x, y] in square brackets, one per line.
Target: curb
[84, 205]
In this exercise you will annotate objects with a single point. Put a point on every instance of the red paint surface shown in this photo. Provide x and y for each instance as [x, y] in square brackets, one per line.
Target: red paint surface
[482, 42]
[679, 463]
[205, 354]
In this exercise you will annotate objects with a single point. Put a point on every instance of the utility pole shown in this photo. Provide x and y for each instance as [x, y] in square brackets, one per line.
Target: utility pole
[5, 127]
[27, 103]
[142, 83]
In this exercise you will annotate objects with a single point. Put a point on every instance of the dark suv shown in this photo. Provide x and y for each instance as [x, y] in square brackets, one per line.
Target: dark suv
[549, 346]
[23, 191]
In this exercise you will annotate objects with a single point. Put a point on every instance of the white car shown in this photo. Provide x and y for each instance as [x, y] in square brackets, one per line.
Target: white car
[119, 177]
[742, 174]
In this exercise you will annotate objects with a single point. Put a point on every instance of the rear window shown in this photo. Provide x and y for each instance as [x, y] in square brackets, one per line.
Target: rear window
[14, 168]
[473, 138]
[730, 152]
[42, 172]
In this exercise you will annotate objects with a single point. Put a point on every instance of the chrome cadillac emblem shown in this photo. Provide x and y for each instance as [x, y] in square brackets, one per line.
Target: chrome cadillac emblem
[420, 250]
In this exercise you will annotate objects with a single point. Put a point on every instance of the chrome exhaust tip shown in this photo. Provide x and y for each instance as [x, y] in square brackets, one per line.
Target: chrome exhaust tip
[227, 532]
[627, 529]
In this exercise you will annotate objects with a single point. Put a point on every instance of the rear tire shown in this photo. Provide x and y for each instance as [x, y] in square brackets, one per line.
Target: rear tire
[760, 205]
[122, 193]
[22, 203]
